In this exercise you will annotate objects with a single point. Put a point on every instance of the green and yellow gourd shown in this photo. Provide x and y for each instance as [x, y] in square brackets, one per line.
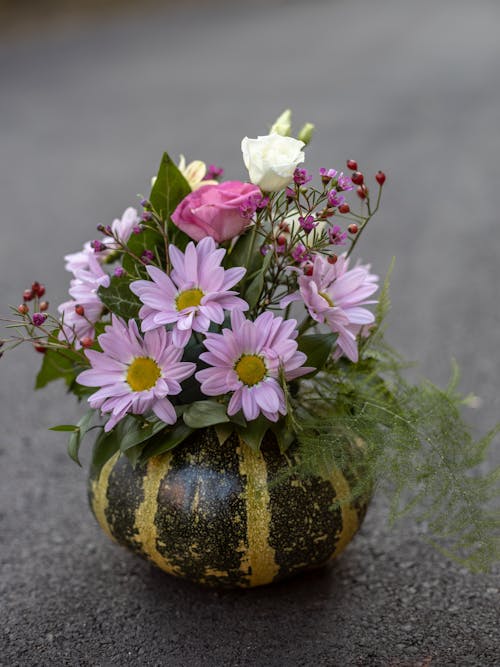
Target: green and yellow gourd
[225, 515]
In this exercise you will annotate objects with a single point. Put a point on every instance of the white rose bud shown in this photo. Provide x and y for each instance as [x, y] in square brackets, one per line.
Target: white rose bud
[271, 160]
[306, 133]
[283, 124]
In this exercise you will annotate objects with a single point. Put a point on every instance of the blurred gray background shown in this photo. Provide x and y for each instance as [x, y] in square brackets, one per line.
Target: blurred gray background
[90, 96]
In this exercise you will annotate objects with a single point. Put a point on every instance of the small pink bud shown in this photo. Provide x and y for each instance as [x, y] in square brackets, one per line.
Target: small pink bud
[43, 306]
[332, 259]
[344, 208]
[357, 178]
[353, 229]
[87, 342]
[39, 319]
[352, 165]
[23, 309]
[362, 191]
[28, 295]
[380, 177]
[79, 310]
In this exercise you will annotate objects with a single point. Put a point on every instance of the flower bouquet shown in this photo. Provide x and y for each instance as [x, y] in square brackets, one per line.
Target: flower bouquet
[229, 346]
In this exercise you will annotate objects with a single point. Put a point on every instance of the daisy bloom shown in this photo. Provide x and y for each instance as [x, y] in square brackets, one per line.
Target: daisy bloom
[135, 374]
[195, 294]
[246, 360]
[122, 229]
[83, 291]
[334, 295]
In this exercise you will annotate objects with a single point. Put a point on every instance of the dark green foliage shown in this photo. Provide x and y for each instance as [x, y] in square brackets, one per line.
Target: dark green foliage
[148, 239]
[409, 440]
[317, 347]
[119, 299]
[205, 413]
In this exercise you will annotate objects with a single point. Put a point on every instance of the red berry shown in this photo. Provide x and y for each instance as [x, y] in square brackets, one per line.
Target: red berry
[333, 259]
[281, 240]
[362, 191]
[44, 305]
[40, 291]
[380, 176]
[79, 310]
[344, 208]
[40, 348]
[352, 165]
[23, 309]
[308, 270]
[357, 178]
[87, 342]
[353, 229]
[28, 295]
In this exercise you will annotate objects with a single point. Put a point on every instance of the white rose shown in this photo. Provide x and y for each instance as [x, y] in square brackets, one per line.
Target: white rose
[271, 160]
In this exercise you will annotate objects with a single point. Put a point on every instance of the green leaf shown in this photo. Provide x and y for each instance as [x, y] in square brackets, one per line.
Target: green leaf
[64, 427]
[242, 250]
[166, 440]
[169, 189]
[106, 446]
[77, 435]
[63, 364]
[238, 419]
[132, 432]
[284, 436]
[317, 347]
[254, 432]
[148, 239]
[254, 290]
[119, 299]
[205, 413]
[223, 432]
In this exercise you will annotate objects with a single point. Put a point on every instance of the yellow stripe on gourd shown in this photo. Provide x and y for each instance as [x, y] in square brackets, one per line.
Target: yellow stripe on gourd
[100, 501]
[259, 558]
[350, 520]
[145, 526]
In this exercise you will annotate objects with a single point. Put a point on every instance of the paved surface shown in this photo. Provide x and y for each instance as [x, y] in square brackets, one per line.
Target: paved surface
[412, 87]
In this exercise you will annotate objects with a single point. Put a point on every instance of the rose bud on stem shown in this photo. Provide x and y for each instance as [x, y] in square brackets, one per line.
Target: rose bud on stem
[380, 178]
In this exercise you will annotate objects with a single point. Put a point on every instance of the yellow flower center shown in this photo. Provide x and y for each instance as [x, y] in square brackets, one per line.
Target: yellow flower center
[327, 299]
[188, 298]
[143, 374]
[250, 369]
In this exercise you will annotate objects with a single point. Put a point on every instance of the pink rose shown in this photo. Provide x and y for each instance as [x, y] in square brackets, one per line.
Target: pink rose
[216, 210]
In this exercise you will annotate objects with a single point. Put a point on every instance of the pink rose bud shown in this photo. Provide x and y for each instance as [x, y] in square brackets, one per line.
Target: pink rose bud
[215, 210]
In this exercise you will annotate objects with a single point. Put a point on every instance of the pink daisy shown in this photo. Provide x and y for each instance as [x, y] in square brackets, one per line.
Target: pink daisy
[122, 228]
[335, 295]
[195, 294]
[246, 361]
[83, 291]
[135, 374]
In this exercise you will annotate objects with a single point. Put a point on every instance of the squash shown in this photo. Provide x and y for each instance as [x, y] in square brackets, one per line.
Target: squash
[225, 515]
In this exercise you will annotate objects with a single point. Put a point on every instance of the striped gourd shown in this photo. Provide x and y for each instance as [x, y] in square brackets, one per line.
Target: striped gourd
[225, 515]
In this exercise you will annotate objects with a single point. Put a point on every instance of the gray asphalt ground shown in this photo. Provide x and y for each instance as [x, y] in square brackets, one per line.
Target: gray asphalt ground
[410, 87]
